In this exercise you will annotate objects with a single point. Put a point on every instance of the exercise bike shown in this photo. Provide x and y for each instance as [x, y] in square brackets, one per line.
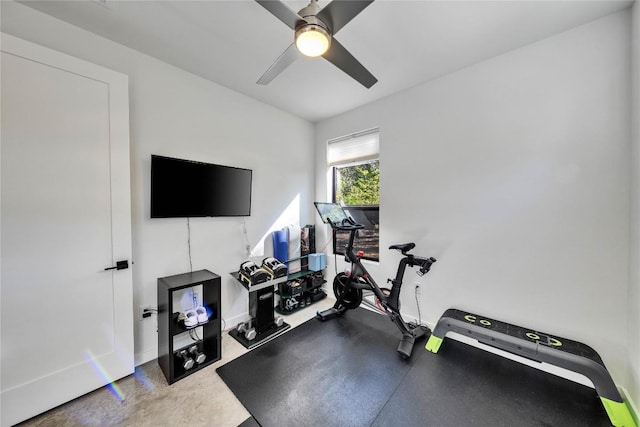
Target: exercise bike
[348, 288]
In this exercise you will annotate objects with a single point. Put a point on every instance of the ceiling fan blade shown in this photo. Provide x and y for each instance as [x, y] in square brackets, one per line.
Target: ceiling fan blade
[338, 13]
[281, 11]
[283, 61]
[341, 58]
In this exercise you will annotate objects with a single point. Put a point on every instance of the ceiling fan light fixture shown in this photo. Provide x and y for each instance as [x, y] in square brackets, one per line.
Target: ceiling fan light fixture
[312, 40]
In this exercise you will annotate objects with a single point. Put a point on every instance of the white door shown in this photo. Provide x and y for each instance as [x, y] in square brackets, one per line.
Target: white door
[67, 323]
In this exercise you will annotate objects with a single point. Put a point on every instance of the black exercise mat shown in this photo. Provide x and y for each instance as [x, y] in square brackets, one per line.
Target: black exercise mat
[346, 372]
[463, 385]
[335, 373]
[249, 422]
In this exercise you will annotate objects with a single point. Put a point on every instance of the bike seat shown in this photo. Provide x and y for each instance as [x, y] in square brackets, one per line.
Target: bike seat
[403, 247]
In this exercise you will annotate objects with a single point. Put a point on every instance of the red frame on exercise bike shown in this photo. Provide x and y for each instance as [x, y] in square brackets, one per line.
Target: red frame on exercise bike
[359, 270]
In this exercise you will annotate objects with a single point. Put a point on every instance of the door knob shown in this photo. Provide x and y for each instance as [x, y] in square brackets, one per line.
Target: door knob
[120, 265]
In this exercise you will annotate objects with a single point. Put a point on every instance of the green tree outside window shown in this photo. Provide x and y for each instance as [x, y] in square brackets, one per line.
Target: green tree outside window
[359, 185]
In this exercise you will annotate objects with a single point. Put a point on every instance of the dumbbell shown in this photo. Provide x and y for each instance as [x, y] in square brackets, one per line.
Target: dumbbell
[187, 361]
[197, 354]
[250, 334]
[242, 326]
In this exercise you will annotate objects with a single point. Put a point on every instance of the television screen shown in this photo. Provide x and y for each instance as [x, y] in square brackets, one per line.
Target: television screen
[185, 188]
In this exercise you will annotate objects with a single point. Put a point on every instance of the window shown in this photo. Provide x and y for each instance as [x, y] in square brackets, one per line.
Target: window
[356, 185]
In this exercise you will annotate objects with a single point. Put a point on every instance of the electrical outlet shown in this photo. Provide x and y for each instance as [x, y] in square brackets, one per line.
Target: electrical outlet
[141, 312]
[418, 287]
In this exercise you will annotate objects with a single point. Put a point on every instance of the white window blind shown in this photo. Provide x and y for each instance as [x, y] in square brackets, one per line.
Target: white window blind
[357, 147]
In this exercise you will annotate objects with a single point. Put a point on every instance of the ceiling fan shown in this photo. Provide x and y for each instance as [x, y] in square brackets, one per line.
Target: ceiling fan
[315, 31]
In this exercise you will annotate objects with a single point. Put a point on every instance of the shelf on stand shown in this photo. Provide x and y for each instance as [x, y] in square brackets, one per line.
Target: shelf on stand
[299, 274]
[320, 296]
[309, 292]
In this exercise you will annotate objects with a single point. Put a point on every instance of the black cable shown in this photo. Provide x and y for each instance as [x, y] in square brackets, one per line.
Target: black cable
[194, 335]
[335, 254]
[418, 305]
[189, 244]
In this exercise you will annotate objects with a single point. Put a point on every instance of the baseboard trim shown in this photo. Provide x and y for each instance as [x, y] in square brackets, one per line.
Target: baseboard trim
[232, 322]
[145, 356]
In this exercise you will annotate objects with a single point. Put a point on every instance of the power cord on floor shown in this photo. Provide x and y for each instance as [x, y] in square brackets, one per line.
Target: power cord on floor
[418, 305]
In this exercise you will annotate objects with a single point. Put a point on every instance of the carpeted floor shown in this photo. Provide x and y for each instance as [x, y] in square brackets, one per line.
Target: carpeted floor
[346, 372]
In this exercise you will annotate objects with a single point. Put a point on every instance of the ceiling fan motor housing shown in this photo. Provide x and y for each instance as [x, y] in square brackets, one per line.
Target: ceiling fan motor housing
[310, 23]
[310, 10]
[305, 27]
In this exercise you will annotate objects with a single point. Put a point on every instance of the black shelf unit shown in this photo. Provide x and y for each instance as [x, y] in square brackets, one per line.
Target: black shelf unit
[309, 293]
[172, 331]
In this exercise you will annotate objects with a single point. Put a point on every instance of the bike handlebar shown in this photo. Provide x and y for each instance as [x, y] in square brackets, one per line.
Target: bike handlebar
[425, 265]
[349, 227]
[346, 225]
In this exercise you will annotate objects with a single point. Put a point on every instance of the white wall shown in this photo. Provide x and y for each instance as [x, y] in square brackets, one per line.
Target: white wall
[177, 114]
[514, 174]
[634, 282]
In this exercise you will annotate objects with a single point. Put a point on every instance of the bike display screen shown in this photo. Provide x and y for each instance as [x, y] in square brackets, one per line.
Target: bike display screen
[331, 212]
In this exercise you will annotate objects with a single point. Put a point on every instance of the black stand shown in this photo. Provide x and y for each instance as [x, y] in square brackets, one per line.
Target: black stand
[260, 337]
[262, 325]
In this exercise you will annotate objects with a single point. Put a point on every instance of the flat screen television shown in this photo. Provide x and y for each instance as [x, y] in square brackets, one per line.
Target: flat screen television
[184, 188]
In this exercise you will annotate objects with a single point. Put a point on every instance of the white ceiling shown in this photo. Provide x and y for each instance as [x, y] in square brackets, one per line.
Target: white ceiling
[403, 43]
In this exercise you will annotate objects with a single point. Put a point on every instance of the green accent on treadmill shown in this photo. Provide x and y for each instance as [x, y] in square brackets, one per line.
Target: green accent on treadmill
[619, 413]
[434, 343]
[470, 318]
[532, 336]
[555, 342]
